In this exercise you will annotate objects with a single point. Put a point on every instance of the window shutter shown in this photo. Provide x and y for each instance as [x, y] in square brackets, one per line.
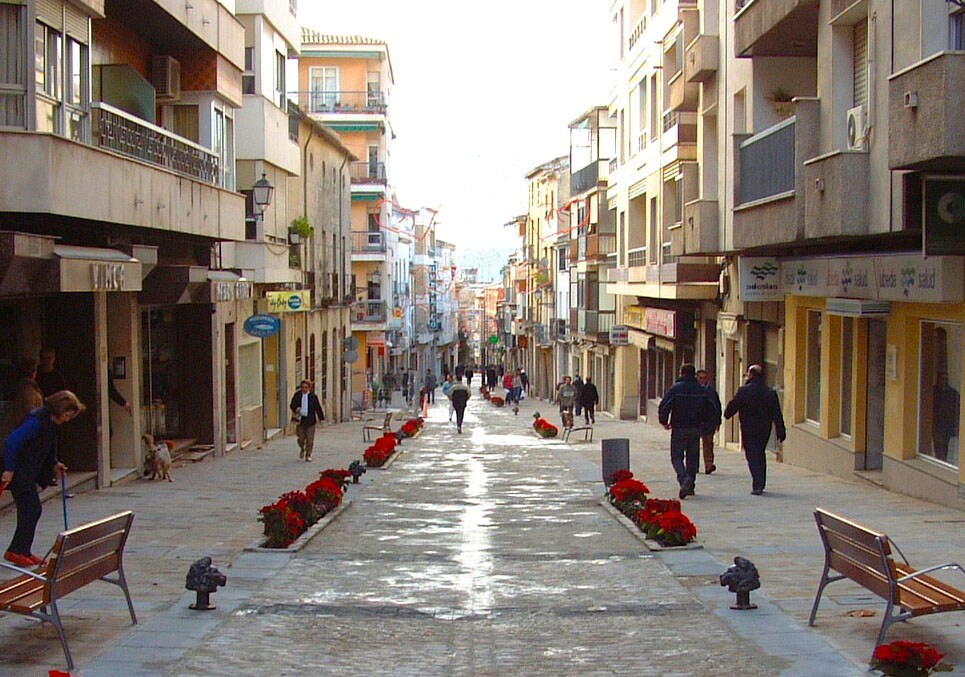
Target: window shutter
[78, 25]
[51, 12]
[860, 52]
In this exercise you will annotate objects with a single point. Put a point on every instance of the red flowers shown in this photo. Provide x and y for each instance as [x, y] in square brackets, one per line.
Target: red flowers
[412, 427]
[621, 475]
[376, 455]
[629, 491]
[339, 475]
[675, 528]
[294, 512]
[544, 428]
[902, 658]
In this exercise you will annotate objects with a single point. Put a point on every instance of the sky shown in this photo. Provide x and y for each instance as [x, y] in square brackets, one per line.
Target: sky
[483, 93]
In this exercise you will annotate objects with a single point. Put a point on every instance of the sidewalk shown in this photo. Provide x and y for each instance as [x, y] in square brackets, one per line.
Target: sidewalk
[210, 509]
[777, 532]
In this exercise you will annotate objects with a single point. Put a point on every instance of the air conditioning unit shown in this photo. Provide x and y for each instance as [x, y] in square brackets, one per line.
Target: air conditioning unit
[166, 78]
[857, 128]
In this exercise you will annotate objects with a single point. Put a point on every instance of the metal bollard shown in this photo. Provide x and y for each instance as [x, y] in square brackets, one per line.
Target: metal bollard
[616, 456]
[741, 578]
[204, 579]
[357, 468]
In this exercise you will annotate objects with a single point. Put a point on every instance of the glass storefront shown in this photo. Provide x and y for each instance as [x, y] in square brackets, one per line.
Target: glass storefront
[940, 357]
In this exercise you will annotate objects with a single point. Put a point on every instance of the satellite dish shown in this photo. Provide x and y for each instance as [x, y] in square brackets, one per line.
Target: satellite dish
[351, 356]
[351, 343]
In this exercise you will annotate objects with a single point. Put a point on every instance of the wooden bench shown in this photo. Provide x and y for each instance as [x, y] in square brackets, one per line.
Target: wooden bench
[369, 429]
[80, 556]
[864, 556]
[587, 431]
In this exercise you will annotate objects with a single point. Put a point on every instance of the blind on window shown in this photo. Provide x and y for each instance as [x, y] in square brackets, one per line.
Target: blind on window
[51, 12]
[78, 25]
[860, 51]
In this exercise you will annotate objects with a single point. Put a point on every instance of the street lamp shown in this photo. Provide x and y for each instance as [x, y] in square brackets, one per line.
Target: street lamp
[262, 192]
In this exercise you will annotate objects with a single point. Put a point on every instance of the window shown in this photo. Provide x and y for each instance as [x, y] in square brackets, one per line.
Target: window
[280, 66]
[77, 95]
[847, 362]
[859, 55]
[248, 77]
[311, 358]
[185, 122]
[12, 67]
[940, 367]
[956, 30]
[813, 370]
[373, 88]
[654, 111]
[562, 253]
[48, 67]
[323, 89]
[654, 230]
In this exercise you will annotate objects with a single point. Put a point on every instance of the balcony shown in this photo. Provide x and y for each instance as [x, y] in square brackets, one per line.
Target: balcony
[269, 262]
[58, 176]
[684, 94]
[596, 246]
[776, 28]
[368, 245]
[701, 58]
[366, 173]
[926, 126]
[369, 312]
[544, 337]
[281, 14]
[341, 102]
[595, 324]
[589, 177]
[836, 195]
[126, 134]
[698, 234]
[666, 281]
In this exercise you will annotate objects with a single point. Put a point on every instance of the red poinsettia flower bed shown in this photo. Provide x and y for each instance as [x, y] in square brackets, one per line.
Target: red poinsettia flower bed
[675, 528]
[294, 512]
[341, 476]
[377, 455]
[544, 428]
[660, 519]
[620, 475]
[902, 658]
[412, 427]
[497, 401]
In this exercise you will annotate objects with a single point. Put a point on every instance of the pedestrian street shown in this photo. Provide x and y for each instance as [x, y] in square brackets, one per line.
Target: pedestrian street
[479, 554]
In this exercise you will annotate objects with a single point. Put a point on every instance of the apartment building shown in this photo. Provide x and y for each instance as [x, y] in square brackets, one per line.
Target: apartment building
[345, 83]
[665, 296]
[548, 186]
[839, 156]
[592, 245]
[120, 147]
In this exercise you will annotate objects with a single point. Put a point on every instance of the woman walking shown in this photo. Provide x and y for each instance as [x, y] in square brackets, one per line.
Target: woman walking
[30, 462]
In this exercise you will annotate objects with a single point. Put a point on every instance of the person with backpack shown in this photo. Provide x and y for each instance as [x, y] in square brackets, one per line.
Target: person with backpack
[459, 395]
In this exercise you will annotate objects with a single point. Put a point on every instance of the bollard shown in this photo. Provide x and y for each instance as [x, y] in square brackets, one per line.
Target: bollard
[616, 456]
[357, 468]
[204, 579]
[741, 578]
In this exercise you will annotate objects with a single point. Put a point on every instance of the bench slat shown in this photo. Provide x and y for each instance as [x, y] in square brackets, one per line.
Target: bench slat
[17, 591]
[871, 579]
[70, 557]
[926, 595]
[81, 576]
[860, 552]
[95, 530]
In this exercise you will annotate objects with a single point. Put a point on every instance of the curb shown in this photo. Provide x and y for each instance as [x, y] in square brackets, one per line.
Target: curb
[653, 546]
[387, 464]
[303, 540]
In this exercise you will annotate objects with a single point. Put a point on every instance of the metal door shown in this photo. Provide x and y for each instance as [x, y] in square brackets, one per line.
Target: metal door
[875, 433]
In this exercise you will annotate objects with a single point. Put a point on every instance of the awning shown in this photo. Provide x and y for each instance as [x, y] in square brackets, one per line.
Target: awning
[640, 339]
[86, 269]
[27, 264]
[171, 285]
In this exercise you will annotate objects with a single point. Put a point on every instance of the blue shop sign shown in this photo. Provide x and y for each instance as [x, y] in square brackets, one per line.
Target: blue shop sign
[262, 326]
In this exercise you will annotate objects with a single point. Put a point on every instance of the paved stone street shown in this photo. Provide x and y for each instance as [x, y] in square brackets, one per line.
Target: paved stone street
[479, 554]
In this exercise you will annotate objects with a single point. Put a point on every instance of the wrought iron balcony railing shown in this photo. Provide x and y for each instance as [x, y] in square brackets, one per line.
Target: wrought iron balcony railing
[324, 102]
[370, 311]
[368, 172]
[368, 242]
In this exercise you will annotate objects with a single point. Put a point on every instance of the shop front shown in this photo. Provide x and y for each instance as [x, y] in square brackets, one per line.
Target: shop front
[874, 369]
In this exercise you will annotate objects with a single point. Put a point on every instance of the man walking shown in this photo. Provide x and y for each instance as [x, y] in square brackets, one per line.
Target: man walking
[306, 412]
[578, 384]
[759, 407]
[566, 397]
[589, 397]
[405, 387]
[707, 441]
[686, 410]
[459, 395]
[447, 391]
[524, 379]
[431, 386]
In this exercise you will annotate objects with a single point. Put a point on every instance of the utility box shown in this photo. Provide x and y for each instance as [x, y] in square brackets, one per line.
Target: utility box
[616, 456]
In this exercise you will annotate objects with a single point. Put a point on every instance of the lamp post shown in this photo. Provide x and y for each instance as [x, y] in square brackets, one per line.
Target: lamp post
[261, 193]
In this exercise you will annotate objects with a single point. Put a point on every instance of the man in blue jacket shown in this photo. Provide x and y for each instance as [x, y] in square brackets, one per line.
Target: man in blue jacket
[759, 407]
[688, 412]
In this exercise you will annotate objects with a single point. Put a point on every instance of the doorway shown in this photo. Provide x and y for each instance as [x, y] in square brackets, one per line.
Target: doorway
[875, 433]
[734, 371]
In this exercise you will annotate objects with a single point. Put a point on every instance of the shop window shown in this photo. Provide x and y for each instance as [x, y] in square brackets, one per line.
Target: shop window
[940, 367]
[813, 372]
[847, 362]
[249, 364]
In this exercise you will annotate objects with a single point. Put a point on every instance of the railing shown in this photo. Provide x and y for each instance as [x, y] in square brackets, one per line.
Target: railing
[368, 242]
[370, 311]
[368, 172]
[585, 179]
[320, 101]
[614, 163]
[596, 321]
[642, 141]
[670, 119]
[637, 257]
[123, 133]
[767, 163]
[638, 30]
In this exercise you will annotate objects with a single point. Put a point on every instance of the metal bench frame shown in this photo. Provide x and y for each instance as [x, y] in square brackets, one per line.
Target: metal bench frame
[587, 431]
[369, 429]
[91, 552]
[859, 553]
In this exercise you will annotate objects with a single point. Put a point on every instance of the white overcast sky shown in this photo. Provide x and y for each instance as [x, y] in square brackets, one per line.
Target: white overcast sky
[483, 93]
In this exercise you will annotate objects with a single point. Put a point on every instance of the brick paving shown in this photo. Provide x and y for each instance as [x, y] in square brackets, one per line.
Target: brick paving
[479, 554]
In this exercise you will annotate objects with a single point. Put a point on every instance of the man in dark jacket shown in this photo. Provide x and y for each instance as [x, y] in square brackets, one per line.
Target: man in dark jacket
[306, 412]
[588, 398]
[578, 384]
[759, 407]
[459, 395]
[687, 411]
[707, 441]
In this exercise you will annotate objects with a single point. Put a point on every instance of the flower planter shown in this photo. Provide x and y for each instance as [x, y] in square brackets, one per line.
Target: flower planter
[389, 461]
[641, 536]
[302, 541]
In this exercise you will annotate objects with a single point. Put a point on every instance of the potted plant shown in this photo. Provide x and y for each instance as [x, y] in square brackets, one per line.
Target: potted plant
[300, 229]
[902, 658]
[783, 103]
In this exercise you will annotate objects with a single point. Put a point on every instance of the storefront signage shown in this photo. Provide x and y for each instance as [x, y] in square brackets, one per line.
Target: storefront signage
[80, 275]
[288, 301]
[107, 276]
[661, 322]
[230, 290]
[619, 335]
[635, 316]
[805, 277]
[262, 326]
[915, 278]
[376, 339]
[397, 312]
[944, 202]
[760, 279]
[852, 277]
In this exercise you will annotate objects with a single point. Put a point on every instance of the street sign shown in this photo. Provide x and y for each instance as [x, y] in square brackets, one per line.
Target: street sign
[351, 357]
[619, 335]
[351, 343]
[494, 339]
[289, 301]
[262, 326]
